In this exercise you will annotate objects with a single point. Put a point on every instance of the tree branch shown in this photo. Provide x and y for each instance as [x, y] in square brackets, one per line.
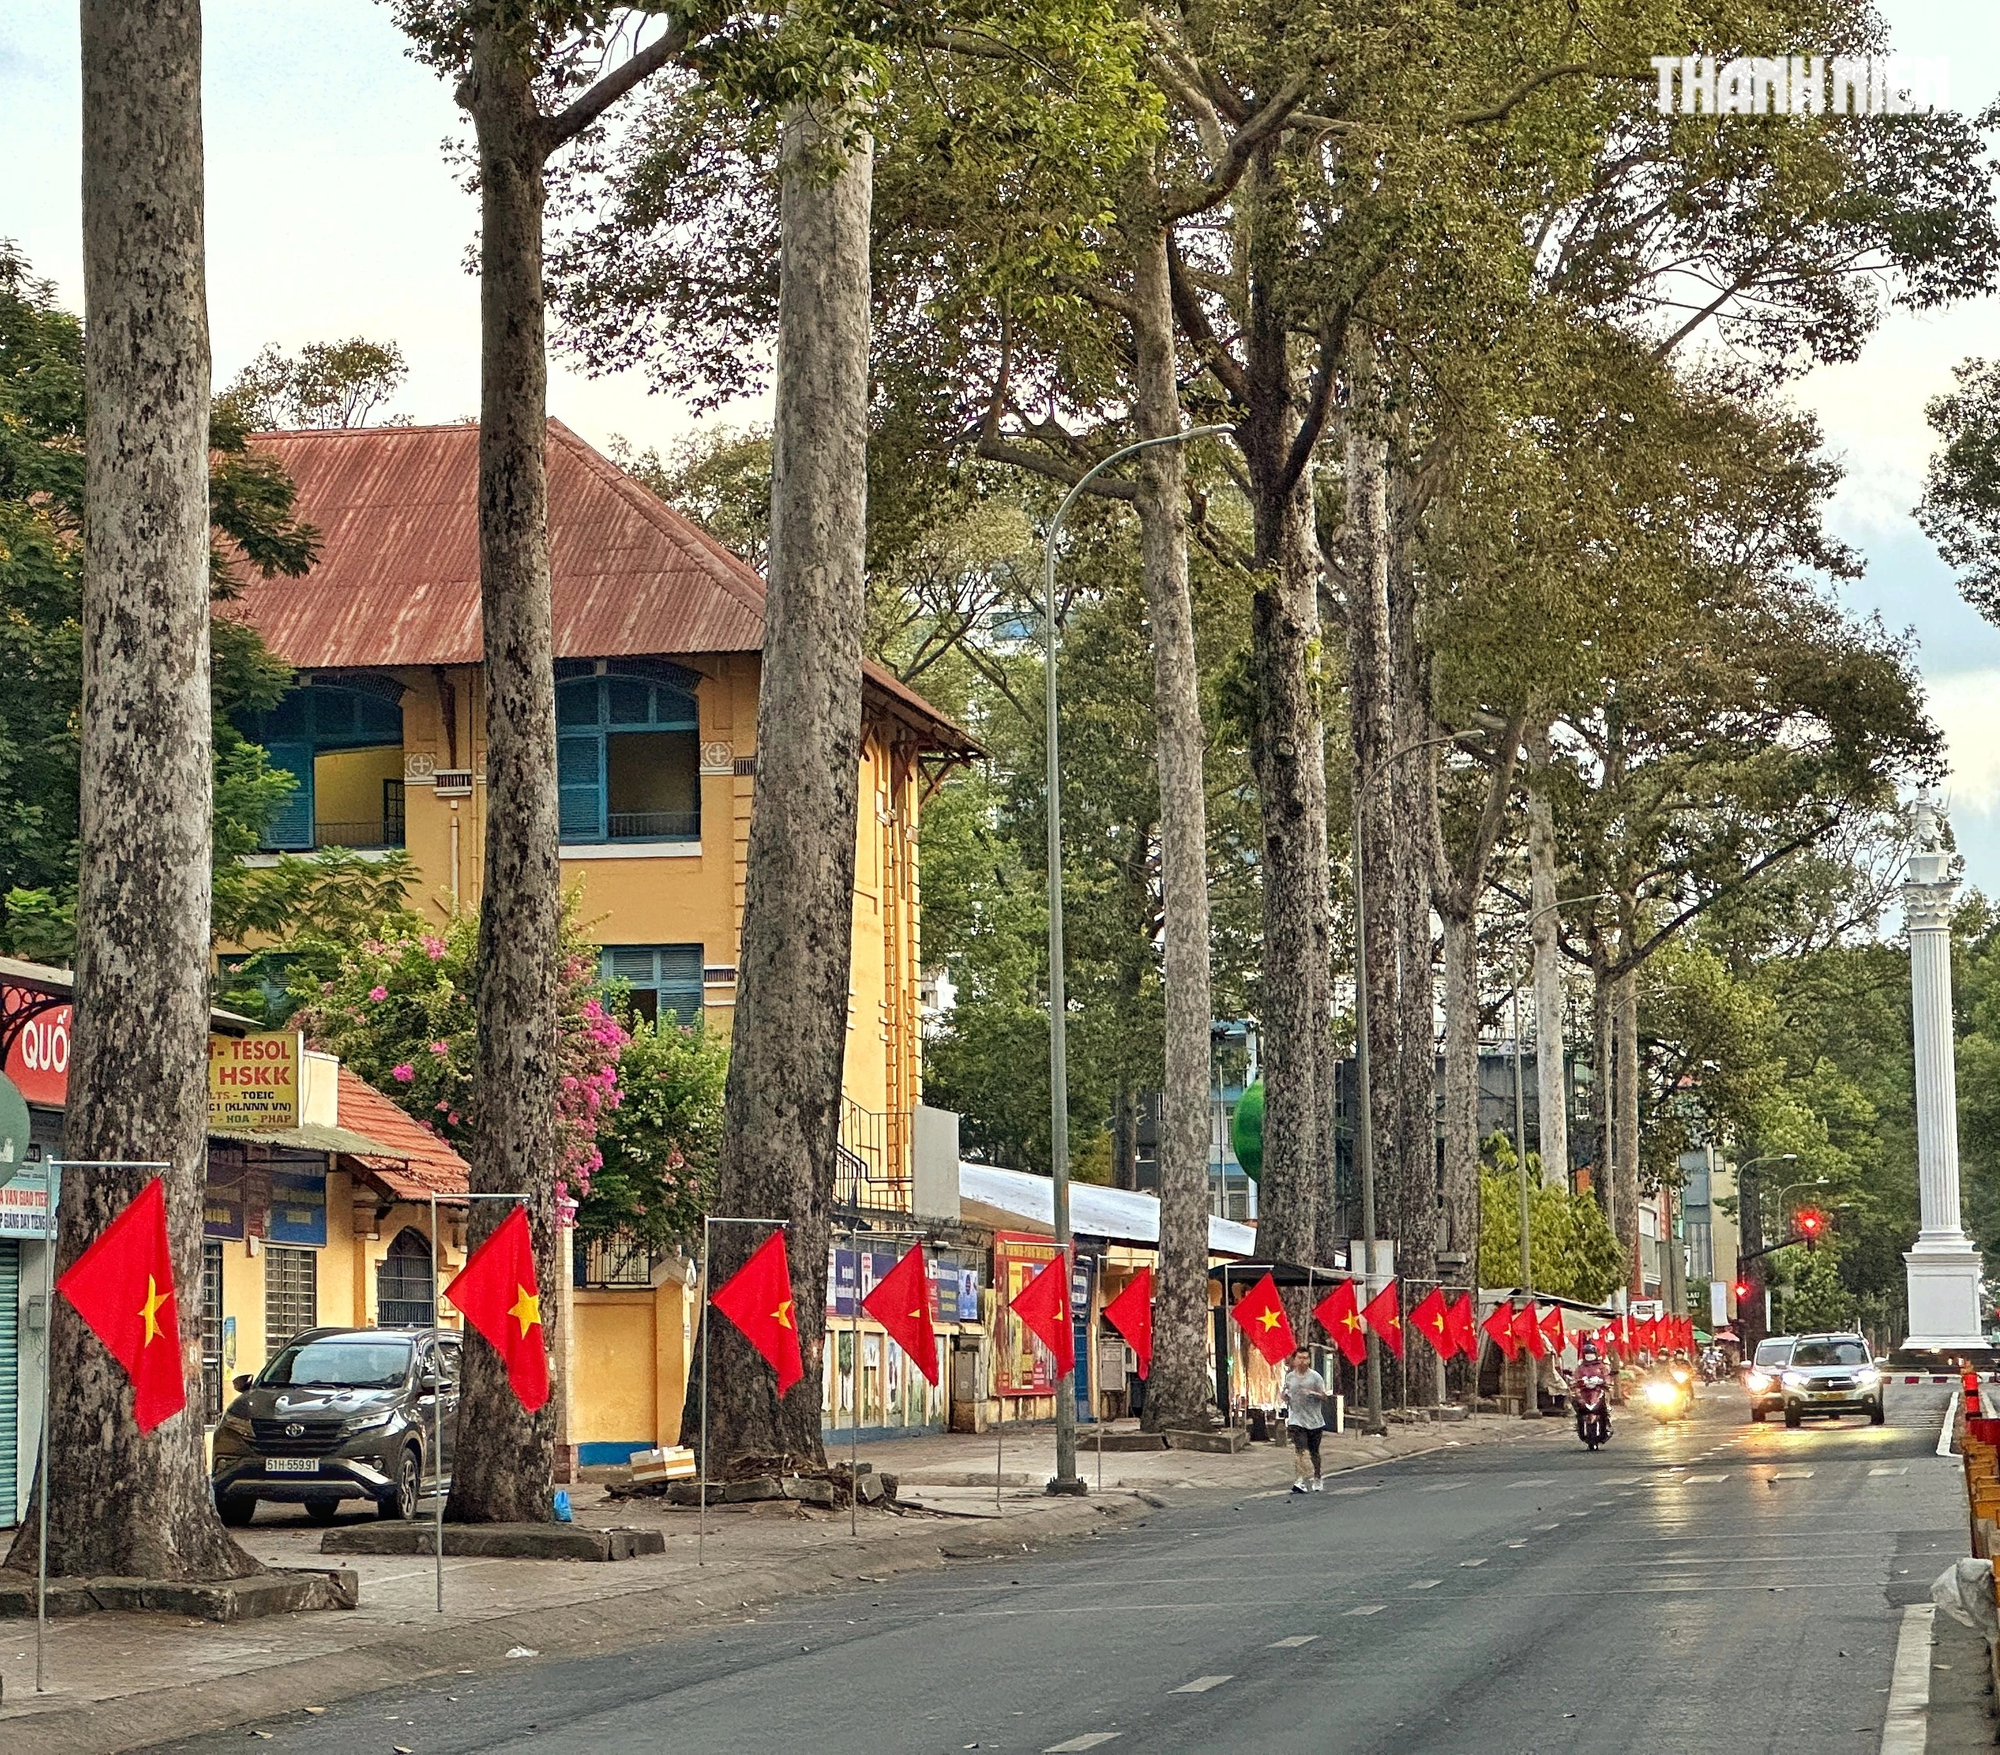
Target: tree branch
[1187, 307]
[567, 124]
[1526, 89]
[1243, 147]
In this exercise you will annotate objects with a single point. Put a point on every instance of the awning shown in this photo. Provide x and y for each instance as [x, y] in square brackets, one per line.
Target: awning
[1283, 1273]
[1017, 1200]
[315, 1138]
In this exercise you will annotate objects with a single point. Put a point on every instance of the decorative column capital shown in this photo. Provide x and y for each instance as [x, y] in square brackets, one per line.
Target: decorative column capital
[1927, 905]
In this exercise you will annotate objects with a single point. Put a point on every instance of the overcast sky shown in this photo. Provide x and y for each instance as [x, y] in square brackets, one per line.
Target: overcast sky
[332, 212]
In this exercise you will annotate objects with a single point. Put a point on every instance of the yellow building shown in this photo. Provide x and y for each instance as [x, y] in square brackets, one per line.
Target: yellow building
[658, 631]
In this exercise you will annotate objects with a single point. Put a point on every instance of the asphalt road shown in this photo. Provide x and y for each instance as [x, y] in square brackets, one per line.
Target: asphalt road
[1719, 1585]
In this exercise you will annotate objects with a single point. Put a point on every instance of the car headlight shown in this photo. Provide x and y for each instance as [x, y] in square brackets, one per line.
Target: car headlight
[367, 1422]
[1867, 1377]
[1796, 1380]
[238, 1425]
[1757, 1382]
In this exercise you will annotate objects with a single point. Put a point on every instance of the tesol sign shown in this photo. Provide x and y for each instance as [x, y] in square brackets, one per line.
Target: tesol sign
[253, 1082]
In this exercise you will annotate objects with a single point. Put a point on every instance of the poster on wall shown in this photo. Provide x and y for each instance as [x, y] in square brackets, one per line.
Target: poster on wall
[1023, 1366]
[298, 1207]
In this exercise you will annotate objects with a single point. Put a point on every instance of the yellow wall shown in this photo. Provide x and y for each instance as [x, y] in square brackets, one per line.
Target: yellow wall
[347, 784]
[631, 1365]
[697, 897]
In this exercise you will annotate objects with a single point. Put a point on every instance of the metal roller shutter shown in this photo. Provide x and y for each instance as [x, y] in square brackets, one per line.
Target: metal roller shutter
[10, 1377]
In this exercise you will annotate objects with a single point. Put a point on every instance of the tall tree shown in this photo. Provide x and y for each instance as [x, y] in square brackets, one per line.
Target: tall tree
[130, 1504]
[505, 57]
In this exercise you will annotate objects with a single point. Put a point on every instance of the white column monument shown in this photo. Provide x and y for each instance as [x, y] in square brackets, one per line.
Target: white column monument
[1944, 1268]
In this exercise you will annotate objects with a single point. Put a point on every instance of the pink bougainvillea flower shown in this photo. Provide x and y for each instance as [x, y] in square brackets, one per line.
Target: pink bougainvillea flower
[378, 993]
[440, 1048]
[433, 948]
[403, 1074]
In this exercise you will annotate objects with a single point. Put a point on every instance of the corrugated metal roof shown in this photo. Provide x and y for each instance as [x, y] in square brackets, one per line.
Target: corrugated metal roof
[1029, 1202]
[397, 580]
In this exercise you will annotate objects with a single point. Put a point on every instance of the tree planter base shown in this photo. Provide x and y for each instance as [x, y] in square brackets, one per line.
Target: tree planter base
[1226, 1442]
[283, 1592]
[1113, 1442]
[496, 1541]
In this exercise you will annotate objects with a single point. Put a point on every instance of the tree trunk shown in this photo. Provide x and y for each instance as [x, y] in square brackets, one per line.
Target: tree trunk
[1179, 1391]
[1124, 1146]
[1750, 1228]
[1461, 1085]
[1625, 1115]
[506, 1476]
[1602, 1079]
[782, 1103]
[138, 1084]
[1551, 1086]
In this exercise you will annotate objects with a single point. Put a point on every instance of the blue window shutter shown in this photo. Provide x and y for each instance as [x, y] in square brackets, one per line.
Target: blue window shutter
[580, 786]
[291, 829]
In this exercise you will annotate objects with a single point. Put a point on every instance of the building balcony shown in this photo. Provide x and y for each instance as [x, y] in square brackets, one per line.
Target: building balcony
[872, 1161]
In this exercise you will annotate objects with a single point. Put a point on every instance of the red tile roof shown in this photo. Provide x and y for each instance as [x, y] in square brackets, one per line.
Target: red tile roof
[424, 1165]
[397, 581]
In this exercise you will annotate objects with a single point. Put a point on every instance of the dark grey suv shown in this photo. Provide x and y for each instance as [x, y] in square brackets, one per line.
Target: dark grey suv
[340, 1413]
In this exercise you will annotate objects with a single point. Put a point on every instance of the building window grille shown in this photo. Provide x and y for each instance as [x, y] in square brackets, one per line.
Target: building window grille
[211, 1331]
[405, 1289]
[628, 756]
[291, 1295]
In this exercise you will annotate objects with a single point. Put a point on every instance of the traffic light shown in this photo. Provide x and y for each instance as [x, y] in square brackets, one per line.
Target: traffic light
[1742, 1290]
[1812, 1224]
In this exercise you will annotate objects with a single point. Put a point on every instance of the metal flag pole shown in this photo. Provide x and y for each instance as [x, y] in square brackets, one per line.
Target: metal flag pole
[854, 1388]
[437, 1389]
[707, 1220]
[54, 1197]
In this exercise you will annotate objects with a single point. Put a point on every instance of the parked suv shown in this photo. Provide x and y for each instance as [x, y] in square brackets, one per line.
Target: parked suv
[1763, 1377]
[1831, 1374]
[339, 1414]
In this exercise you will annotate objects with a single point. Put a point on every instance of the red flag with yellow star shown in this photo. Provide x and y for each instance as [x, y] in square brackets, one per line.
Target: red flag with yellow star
[1043, 1304]
[1131, 1314]
[1339, 1313]
[501, 1298]
[758, 1299]
[123, 1287]
[901, 1303]
[1431, 1318]
[1384, 1314]
[1463, 1322]
[1262, 1317]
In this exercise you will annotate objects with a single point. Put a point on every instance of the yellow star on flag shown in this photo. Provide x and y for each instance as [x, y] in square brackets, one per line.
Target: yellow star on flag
[150, 1309]
[782, 1316]
[527, 1308]
[1269, 1318]
[1349, 1321]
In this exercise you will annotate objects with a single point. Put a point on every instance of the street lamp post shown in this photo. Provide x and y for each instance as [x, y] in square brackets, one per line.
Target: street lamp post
[1067, 1480]
[1757, 1242]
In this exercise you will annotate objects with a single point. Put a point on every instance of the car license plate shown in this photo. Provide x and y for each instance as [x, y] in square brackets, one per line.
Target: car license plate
[291, 1465]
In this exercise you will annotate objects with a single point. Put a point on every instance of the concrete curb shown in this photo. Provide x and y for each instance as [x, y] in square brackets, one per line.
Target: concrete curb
[406, 1655]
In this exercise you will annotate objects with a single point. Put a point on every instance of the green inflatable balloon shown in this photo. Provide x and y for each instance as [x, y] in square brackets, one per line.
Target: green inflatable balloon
[1246, 1131]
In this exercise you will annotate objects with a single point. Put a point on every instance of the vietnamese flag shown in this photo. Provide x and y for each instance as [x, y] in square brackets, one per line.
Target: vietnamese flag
[901, 1303]
[1339, 1314]
[1384, 1314]
[1432, 1319]
[1553, 1331]
[1262, 1317]
[1499, 1328]
[758, 1299]
[1528, 1330]
[1462, 1321]
[1131, 1314]
[498, 1292]
[1043, 1304]
[123, 1287]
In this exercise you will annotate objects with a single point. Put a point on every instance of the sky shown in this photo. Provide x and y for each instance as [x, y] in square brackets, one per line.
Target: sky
[333, 211]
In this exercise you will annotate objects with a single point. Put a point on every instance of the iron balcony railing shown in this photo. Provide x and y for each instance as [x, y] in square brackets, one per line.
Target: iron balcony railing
[872, 1161]
[371, 833]
[653, 825]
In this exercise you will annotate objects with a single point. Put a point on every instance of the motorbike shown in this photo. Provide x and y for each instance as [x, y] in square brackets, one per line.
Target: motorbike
[1669, 1396]
[1592, 1396]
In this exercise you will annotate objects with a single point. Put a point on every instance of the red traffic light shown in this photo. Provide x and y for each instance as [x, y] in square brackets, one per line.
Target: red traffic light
[1811, 1223]
[1742, 1290]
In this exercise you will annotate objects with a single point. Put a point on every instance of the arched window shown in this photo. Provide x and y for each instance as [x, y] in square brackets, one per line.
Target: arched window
[628, 761]
[342, 744]
[405, 1288]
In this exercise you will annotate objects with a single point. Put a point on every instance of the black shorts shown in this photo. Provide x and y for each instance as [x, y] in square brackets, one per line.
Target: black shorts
[1305, 1438]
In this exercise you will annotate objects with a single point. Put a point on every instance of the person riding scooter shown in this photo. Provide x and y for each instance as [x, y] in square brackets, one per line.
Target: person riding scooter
[1590, 1390]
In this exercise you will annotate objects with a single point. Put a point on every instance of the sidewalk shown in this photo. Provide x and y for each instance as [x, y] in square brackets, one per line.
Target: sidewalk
[119, 1681]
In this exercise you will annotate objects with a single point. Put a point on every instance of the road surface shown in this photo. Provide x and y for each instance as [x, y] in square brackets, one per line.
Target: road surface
[1719, 1585]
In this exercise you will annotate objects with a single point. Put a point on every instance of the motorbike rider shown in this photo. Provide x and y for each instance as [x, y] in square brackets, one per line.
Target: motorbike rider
[1591, 1369]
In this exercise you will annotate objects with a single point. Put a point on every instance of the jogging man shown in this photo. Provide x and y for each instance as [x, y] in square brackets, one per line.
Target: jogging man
[1305, 1395]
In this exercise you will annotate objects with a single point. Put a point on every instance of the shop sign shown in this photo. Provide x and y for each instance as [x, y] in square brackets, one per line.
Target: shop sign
[24, 1203]
[15, 1131]
[38, 1061]
[842, 1270]
[1023, 1366]
[298, 1207]
[253, 1082]
[222, 1201]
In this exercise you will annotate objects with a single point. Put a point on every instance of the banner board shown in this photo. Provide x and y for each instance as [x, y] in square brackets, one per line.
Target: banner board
[253, 1082]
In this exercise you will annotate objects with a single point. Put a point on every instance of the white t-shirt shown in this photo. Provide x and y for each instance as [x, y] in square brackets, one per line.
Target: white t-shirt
[1305, 1395]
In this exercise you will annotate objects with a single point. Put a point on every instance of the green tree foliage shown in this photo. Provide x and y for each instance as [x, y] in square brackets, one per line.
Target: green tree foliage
[1570, 1245]
[660, 1142]
[325, 384]
[41, 533]
[1960, 510]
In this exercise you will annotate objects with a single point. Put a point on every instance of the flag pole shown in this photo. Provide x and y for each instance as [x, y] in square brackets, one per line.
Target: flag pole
[48, 1392]
[437, 1419]
[701, 1530]
[854, 1407]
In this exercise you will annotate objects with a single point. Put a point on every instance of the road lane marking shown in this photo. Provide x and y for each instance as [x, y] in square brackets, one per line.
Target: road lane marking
[1622, 1480]
[1427, 1584]
[1076, 1745]
[1696, 1480]
[1479, 1562]
[1548, 1526]
[1522, 1543]
[1944, 1431]
[1543, 1481]
[1201, 1685]
[1292, 1642]
[1369, 1609]
[1349, 1490]
[1907, 1728]
[1903, 1471]
[1791, 1475]
[1443, 1487]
